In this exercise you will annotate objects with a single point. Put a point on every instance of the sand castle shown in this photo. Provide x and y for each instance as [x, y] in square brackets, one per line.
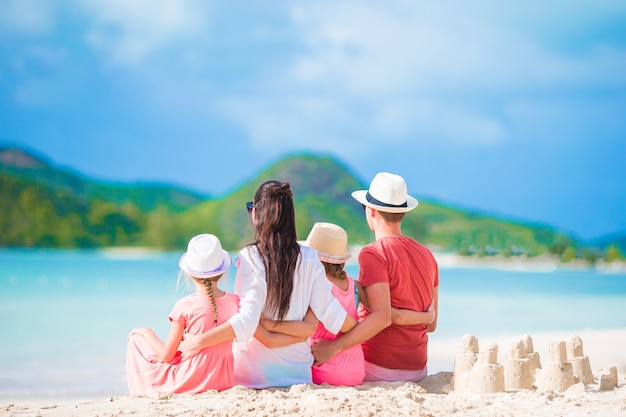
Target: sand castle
[608, 379]
[464, 363]
[521, 365]
[478, 371]
[557, 373]
[487, 375]
[580, 363]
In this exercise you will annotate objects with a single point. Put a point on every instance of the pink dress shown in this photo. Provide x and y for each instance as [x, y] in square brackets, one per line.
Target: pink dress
[348, 367]
[212, 368]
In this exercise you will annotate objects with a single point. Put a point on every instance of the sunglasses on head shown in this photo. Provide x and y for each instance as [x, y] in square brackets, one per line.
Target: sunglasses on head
[249, 206]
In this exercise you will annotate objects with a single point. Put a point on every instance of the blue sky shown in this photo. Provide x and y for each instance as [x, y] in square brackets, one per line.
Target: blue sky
[515, 109]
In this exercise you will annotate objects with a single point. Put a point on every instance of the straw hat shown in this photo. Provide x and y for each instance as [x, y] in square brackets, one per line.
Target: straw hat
[205, 257]
[387, 193]
[330, 241]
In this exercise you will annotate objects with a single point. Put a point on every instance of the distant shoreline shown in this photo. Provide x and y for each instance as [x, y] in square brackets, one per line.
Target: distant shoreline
[541, 263]
[445, 260]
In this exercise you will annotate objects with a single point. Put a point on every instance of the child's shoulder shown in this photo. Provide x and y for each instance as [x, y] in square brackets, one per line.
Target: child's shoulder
[189, 298]
[230, 297]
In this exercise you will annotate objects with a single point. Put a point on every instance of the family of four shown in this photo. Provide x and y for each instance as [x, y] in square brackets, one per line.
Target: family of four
[295, 316]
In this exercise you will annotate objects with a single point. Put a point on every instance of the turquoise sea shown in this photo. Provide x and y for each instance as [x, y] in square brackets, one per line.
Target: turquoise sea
[66, 314]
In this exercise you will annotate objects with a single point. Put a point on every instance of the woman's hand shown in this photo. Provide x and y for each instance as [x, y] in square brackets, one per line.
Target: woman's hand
[267, 323]
[190, 346]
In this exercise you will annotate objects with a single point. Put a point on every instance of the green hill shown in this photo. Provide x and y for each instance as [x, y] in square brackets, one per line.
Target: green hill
[41, 205]
[321, 188]
[146, 196]
[33, 215]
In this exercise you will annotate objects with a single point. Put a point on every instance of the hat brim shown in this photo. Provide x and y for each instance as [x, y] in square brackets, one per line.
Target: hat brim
[335, 259]
[226, 259]
[411, 203]
[327, 258]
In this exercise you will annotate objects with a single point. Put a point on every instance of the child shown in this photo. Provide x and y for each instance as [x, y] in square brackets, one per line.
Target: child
[154, 367]
[330, 241]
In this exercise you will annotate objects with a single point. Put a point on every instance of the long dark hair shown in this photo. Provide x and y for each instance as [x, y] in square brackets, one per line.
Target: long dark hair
[276, 240]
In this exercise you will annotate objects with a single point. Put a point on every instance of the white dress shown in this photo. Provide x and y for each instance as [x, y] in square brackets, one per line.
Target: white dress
[257, 366]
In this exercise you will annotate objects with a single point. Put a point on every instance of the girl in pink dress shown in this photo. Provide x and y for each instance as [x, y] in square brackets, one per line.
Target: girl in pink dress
[154, 367]
[348, 367]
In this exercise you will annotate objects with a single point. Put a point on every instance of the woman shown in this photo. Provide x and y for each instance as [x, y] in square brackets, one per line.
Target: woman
[280, 279]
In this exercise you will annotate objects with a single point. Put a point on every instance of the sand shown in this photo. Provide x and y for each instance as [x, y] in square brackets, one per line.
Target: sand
[433, 396]
[369, 399]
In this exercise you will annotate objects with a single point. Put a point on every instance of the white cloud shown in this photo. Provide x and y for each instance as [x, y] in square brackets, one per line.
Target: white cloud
[428, 119]
[27, 17]
[293, 123]
[348, 72]
[381, 49]
[129, 32]
[413, 71]
[372, 72]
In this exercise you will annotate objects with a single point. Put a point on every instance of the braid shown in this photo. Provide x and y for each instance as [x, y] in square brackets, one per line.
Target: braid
[207, 283]
[209, 290]
[335, 270]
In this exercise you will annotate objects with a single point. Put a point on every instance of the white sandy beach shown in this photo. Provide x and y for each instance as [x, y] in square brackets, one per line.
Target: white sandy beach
[431, 397]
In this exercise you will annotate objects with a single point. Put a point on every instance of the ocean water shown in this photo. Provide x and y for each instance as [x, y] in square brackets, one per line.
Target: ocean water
[66, 314]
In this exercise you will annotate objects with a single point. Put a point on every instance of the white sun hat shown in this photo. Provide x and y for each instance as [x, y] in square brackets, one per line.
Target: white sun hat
[205, 257]
[330, 241]
[387, 193]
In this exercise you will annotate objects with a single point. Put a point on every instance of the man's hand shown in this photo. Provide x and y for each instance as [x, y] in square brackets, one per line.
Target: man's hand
[190, 346]
[323, 350]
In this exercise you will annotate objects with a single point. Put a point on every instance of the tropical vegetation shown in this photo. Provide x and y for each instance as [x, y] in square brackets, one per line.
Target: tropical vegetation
[45, 206]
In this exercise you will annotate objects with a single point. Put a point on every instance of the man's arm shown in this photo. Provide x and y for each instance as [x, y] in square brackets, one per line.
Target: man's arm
[301, 329]
[378, 319]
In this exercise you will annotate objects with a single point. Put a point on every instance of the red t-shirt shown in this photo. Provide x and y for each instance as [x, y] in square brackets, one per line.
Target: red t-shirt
[411, 271]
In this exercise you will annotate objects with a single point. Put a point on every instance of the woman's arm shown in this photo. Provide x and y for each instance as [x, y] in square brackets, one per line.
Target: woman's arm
[276, 334]
[348, 323]
[251, 288]
[193, 344]
[405, 317]
[272, 339]
[165, 351]
[302, 329]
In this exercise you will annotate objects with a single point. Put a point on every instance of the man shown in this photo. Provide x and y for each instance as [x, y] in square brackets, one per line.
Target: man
[395, 271]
